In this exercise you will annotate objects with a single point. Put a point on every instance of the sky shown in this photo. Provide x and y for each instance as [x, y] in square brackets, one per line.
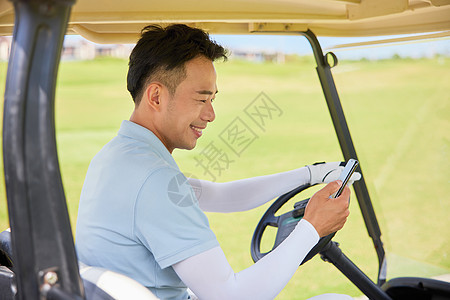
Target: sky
[299, 45]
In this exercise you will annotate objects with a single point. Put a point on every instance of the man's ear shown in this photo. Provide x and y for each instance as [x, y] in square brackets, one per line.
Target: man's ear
[153, 95]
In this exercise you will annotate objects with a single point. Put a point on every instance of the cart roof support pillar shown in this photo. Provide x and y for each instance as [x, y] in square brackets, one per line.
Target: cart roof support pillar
[41, 235]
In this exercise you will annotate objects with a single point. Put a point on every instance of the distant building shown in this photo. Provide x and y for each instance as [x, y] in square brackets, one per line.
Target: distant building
[258, 55]
[5, 47]
[75, 48]
[119, 50]
[78, 49]
[81, 49]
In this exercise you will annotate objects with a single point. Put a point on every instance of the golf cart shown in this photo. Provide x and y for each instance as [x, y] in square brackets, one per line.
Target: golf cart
[38, 258]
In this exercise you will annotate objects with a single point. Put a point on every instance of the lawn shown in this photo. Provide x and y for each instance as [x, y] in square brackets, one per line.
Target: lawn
[399, 116]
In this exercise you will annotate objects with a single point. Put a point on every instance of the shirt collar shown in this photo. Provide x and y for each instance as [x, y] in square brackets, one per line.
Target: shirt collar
[140, 133]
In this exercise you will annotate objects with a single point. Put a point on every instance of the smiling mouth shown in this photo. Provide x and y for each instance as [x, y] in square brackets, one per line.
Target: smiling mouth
[197, 130]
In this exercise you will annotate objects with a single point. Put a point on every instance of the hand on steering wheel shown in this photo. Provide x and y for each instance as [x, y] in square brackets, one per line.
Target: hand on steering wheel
[326, 214]
[320, 213]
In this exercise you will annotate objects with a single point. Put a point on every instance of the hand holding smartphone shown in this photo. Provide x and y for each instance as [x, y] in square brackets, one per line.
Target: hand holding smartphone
[349, 168]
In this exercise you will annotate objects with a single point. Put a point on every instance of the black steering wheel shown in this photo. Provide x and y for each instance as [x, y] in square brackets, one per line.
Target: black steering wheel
[285, 224]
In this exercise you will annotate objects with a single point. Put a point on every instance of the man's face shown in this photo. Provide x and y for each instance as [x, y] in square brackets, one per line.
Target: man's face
[189, 110]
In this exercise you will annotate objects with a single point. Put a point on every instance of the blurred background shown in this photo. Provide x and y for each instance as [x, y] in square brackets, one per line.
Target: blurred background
[397, 103]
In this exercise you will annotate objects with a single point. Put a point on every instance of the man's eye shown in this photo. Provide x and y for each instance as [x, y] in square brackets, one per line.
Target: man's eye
[205, 100]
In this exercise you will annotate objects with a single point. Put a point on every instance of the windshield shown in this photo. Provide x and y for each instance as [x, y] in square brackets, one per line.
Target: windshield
[397, 110]
[399, 120]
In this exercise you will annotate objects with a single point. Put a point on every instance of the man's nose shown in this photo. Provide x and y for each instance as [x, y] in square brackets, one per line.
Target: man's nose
[208, 113]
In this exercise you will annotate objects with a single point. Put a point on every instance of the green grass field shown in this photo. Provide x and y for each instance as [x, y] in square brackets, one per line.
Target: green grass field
[399, 116]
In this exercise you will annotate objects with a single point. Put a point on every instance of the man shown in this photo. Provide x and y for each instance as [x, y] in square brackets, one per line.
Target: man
[136, 216]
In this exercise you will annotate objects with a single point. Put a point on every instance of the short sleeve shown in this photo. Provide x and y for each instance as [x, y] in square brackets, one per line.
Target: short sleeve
[168, 220]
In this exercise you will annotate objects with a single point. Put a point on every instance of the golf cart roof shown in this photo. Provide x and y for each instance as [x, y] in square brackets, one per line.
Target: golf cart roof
[118, 21]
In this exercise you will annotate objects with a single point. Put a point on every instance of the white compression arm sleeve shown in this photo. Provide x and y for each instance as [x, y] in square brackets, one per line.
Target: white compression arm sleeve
[210, 276]
[245, 194]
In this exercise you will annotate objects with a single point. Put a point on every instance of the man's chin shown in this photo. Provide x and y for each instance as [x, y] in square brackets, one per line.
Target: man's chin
[188, 146]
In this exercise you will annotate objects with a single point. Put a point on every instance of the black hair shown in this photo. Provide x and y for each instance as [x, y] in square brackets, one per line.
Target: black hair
[161, 54]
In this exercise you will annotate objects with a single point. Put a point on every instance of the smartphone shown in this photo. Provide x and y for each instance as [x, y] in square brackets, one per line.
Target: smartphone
[349, 168]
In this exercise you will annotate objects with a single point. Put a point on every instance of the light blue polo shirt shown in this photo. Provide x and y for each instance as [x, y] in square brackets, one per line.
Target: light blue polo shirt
[138, 216]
